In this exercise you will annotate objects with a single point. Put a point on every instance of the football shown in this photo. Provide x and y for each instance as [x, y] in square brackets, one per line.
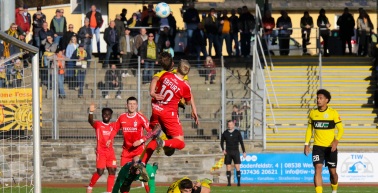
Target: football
[162, 10]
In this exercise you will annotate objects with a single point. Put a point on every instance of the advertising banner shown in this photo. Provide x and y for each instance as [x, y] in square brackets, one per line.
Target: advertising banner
[358, 167]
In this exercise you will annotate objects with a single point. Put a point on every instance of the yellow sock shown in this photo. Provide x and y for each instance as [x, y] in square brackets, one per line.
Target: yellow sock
[163, 136]
[334, 186]
[319, 189]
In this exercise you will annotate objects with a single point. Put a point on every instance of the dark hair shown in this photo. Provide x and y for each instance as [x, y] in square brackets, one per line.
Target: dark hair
[322, 11]
[107, 109]
[325, 93]
[235, 106]
[229, 121]
[186, 184]
[131, 99]
[58, 50]
[165, 61]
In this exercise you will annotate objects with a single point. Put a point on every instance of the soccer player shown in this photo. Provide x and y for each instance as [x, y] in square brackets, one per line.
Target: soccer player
[232, 137]
[129, 172]
[185, 185]
[151, 171]
[164, 112]
[322, 121]
[105, 155]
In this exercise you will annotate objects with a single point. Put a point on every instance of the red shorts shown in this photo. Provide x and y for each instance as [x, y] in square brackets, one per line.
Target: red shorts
[169, 122]
[128, 154]
[106, 159]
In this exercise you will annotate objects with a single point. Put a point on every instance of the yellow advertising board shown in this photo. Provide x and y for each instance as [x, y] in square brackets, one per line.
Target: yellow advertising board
[16, 109]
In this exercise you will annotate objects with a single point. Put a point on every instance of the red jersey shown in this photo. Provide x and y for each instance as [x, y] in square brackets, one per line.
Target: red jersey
[103, 131]
[132, 128]
[173, 89]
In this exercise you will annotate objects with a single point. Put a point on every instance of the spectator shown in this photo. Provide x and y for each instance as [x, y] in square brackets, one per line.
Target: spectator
[151, 20]
[22, 21]
[67, 37]
[58, 26]
[27, 14]
[145, 11]
[164, 36]
[81, 55]
[18, 73]
[139, 39]
[211, 28]
[126, 45]
[237, 116]
[346, 23]
[37, 26]
[199, 41]
[95, 22]
[210, 70]
[268, 25]
[191, 20]
[172, 28]
[113, 80]
[123, 17]
[148, 56]
[324, 25]
[59, 62]
[284, 24]
[43, 16]
[134, 22]
[168, 48]
[70, 72]
[365, 27]
[3, 73]
[246, 27]
[43, 33]
[49, 49]
[85, 36]
[111, 38]
[226, 29]
[10, 49]
[306, 24]
[120, 27]
[24, 55]
[234, 31]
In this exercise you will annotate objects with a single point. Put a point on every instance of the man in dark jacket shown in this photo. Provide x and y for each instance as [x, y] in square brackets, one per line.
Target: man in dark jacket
[123, 17]
[85, 36]
[37, 26]
[67, 37]
[111, 38]
[120, 27]
[58, 26]
[212, 32]
[199, 41]
[234, 33]
[43, 33]
[113, 79]
[246, 27]
[346, 23]
[324, 25]
[95, 22]
[306, 24]
[284, 24]
[43, 16]
[191, 20]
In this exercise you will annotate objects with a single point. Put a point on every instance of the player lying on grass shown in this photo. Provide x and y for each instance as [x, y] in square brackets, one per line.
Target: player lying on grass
[105, 156]
[185, 185]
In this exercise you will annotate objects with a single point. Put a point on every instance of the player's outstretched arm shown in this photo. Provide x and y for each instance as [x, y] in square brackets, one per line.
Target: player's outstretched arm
[194, 110]
[154, 95]
[92, 108]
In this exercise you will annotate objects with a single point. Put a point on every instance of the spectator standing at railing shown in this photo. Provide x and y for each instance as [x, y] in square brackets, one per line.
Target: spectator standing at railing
[18, 73]
[134, 22]
[148, 56]
[365, 28]
[210, 70]
[139, 39]
[346, 23]
[123, 17]
[306, 24]
[43, 16]
[126, 49]
[212, 32]
[324, 25]
[49, 49]
[3, 73]
[81, 55]
[237, 116]
[246, 27]
[119, 25]
[10, 49]
[37, 26]
[268, 26]
[234, 31]
[151, 20]
[191, 20]
[111, 38]
[67, 37]
[59, 63]
[225, 32]
[58, 26]
[113, 80]
[95, 22]
[284, 24]
[85, 36]
[199, 42]
[164, 36]
[27, 14]
[43, 33]
[70, 73]
[172, 28]
[22, 20]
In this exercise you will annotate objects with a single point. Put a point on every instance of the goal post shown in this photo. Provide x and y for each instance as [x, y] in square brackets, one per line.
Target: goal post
[35, 106]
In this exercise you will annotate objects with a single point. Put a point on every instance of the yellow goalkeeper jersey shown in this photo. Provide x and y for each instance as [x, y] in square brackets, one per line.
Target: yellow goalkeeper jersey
[174, 71]
[323, 124]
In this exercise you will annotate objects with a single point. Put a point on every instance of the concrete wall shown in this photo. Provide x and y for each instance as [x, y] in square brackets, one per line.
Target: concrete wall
[74, 161]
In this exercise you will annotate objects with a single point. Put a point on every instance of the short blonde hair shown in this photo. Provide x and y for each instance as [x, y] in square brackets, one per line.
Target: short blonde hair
[183, 67]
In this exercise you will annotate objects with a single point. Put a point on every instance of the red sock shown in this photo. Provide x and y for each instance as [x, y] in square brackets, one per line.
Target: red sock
[149, 151]
[94, 179]
[174, 143]
[110, 183]
[147, 188]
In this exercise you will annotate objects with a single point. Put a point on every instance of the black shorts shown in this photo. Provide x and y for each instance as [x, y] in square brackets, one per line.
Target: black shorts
[324, 154]
[232, 155]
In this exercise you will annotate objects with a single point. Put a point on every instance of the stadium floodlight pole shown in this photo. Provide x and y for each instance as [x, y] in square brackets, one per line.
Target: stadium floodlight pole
[223, 97]
[36, 125]
[139, 84]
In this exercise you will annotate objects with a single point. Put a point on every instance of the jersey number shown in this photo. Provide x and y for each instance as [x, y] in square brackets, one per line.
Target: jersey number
[165, 93]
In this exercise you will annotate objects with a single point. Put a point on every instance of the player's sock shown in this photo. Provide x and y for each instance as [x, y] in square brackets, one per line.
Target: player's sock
[147, 188]
[228, 174]
[175, 143]
[334, 187]
[238, 177]
[149, 151]
[94, 179]
[318, 189]
[110, 182]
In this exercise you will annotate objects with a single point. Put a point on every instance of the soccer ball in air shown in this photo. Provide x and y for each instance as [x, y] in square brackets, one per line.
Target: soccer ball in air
[162, 10]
